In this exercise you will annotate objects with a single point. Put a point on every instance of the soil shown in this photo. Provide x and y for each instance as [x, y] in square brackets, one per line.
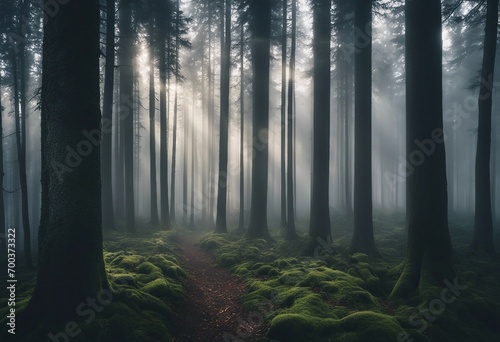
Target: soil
[211, 311]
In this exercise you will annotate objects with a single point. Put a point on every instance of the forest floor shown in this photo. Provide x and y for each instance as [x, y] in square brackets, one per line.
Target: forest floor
[211, 310]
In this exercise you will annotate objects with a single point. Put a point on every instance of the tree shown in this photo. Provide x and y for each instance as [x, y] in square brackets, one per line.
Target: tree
[362, 239]
[483, 220]
[163, 11]
[152, 128]
[260, 27]
[221, 219]
[70, 262]
[283, 112]
[290, 222]
[107, 118]
[126, 57]
[429, 250]
[320, 210]
[241, 221]
[2, 174]
[174, 133]
[18, 62]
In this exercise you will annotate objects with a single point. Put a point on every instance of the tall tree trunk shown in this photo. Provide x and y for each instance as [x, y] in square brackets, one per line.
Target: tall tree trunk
[193, 161]
[70, 262]
[283, 112]
[185, 172]
[241, 221]
[174, 133]
[210, 198]
[429, 251]
[362, 239]
[221, 220]
[290, 227]
[483, 221]
[108, 221]
[154, 220]
[261, 55]
[3, 237]
[19, 112]
[162, 39]
[320, 209]
[126, 55]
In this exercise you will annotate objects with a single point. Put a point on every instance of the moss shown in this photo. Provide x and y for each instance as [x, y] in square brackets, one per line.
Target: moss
[312, 305]
[130, 262]
[300, 328]
[263, 270]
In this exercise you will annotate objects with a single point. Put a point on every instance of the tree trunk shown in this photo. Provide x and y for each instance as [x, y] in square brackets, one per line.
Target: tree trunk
[362, 239]
[3, 237]
[70, 262]
[174, 133]
[108, 221]
[19, 102]
[261, 55]
[320, 209]
[483, 221]
[241, 221]
[283, 113]
[221, 220]
[126, 56]
[154, 220]
[193, 161]
[162, 39]
[429, 252]
[290, 226]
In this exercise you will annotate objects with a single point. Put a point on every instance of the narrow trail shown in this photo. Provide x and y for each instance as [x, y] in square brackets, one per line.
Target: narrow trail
[211, 312]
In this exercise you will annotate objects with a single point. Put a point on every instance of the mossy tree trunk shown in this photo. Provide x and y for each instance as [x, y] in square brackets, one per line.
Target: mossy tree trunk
[362, 239]
[221, 219]
[261, 55]
[429, 251]
[108, 221]
[483, 221]
[70, 263]
[319, 227]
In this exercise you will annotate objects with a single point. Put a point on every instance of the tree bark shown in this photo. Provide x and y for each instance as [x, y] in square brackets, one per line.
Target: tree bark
[108, 221]
[174, 133]
[70, 262]
[429, 252]
[283, 113]
[362, 239]
[483, 220]
[221, 220]
[290, 224]
[261, 55]
[3, 237]
[241, 221]
[154, 218]
[320, 210]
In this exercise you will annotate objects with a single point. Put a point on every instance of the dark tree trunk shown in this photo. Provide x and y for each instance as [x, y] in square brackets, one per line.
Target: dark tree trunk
[429, 251]
[108, 221]
[174, 133]
[162, 39]
[3, 231]
[261, 55]
[126, 56]
[154, 220]
[320, 209]
[362, 239]
[290, 226]
[69, 271]
[483, 222]
[185, 171]
[283, 113]
[241, 221]
[21, 154]
[221, 220]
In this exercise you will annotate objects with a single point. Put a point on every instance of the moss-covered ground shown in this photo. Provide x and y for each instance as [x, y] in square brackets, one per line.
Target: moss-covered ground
[145, 276]
[336, 296]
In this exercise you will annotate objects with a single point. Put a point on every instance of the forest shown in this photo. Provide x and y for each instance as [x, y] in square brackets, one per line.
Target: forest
[249, 170]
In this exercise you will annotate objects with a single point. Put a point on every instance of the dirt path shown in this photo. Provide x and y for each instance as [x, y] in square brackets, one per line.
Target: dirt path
[211, 312]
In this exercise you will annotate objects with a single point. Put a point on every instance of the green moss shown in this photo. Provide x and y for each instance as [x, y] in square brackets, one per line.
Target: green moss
[300, 328]
[263, 270]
